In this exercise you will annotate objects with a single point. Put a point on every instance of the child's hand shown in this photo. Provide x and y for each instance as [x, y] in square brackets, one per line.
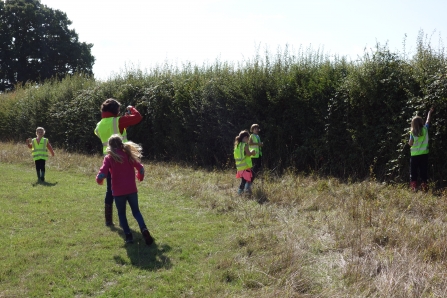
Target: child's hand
[100, 178]
[140, 174]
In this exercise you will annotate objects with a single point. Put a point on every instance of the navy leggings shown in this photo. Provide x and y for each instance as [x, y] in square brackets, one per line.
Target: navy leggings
[40, 166]
[419, 167]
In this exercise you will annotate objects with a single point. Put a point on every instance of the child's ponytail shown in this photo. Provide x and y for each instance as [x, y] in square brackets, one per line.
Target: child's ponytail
[416, 126]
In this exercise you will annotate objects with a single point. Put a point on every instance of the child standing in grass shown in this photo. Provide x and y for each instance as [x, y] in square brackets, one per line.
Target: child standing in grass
[242, 156]
[255, 144]
[419, 151]
[40, 147]
[121, 161]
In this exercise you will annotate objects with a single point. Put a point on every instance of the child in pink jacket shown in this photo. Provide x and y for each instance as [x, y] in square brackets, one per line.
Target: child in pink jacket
[121, 160]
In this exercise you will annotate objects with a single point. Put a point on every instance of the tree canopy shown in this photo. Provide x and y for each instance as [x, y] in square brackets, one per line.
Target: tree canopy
[36, 44]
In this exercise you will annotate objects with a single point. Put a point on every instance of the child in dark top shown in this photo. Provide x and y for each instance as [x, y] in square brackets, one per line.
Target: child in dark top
[121, 161]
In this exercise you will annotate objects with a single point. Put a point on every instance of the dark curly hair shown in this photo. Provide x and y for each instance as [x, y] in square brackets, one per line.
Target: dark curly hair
[111, 105]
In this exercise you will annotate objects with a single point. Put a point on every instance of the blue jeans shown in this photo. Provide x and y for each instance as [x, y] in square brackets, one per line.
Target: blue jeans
[120, 203]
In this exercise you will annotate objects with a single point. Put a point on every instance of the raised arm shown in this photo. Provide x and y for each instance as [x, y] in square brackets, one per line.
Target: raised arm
[429, 115]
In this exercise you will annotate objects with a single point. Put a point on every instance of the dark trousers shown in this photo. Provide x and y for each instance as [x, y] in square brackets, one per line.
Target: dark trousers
[257, 165]
[109, 197]
[40, 167]
[419, 167]
[243, 182]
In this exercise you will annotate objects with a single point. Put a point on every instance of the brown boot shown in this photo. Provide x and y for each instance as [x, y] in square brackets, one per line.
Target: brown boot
[108, 212]
[424, 187]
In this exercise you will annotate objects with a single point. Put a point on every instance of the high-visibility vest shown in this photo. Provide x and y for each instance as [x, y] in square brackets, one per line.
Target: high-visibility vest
[256, 139]
[420, 144]
[39, 150]
[242, 162]
[106, 128]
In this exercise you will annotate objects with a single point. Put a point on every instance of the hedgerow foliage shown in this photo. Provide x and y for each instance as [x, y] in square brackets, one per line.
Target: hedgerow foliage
[317, 113]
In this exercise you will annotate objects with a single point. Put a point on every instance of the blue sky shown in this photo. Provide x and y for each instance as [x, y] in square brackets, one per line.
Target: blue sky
[145, 33]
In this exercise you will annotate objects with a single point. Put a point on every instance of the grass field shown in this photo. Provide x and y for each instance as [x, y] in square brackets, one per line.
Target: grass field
[297, 236]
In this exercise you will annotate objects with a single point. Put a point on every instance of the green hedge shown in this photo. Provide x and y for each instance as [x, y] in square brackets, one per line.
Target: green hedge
[317, 113]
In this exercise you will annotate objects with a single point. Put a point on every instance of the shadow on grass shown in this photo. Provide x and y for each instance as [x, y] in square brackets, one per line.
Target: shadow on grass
[260, 196]
[145, 257]
[43, 183]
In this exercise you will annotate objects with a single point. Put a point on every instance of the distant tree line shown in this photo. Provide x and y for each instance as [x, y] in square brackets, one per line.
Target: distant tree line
[36, 44]
[317, 114]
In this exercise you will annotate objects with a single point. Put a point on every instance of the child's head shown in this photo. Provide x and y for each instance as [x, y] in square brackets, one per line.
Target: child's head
[242, 137]
[416, 126]
[111, 105]
[40, 131]
[116, 142]
[255, 128]
[132, 150]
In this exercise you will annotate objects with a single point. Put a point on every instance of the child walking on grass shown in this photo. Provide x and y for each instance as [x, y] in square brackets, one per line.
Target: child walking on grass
[40, 147]
[242, 156]
[419, 151]
[121, 160]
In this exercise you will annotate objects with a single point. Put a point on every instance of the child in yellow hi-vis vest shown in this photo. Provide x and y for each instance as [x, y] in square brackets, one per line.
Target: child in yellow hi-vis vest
[40, 147]
[419, 151]
[242, 156]
[255, 143]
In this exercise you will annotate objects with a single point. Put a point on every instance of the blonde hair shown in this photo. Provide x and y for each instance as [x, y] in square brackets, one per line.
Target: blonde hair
[40, 128]
[133, 151]
[416, 126]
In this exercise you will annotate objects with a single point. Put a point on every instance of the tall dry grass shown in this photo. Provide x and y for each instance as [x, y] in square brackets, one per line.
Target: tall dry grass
[307, 236]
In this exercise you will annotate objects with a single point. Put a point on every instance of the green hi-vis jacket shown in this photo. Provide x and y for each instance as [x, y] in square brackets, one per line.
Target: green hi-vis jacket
[106, 128]
[242, 162]
[256, 139]
[39, 150]
[420, 144]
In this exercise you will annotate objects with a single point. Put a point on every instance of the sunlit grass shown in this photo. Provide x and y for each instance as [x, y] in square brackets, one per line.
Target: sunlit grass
[297, 236]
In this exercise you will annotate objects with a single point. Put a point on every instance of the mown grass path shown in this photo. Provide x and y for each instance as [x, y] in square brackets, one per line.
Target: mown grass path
[54, 241]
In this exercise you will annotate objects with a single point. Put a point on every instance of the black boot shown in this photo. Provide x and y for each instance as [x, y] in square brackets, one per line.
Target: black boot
[108, 213]
[147, 236]
[129, 238]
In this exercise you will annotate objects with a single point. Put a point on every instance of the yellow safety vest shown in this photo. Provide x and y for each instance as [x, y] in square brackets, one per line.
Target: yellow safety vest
[420, 144]
[106, 128]
[256, 139]
[242, 162]
[39, 150]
